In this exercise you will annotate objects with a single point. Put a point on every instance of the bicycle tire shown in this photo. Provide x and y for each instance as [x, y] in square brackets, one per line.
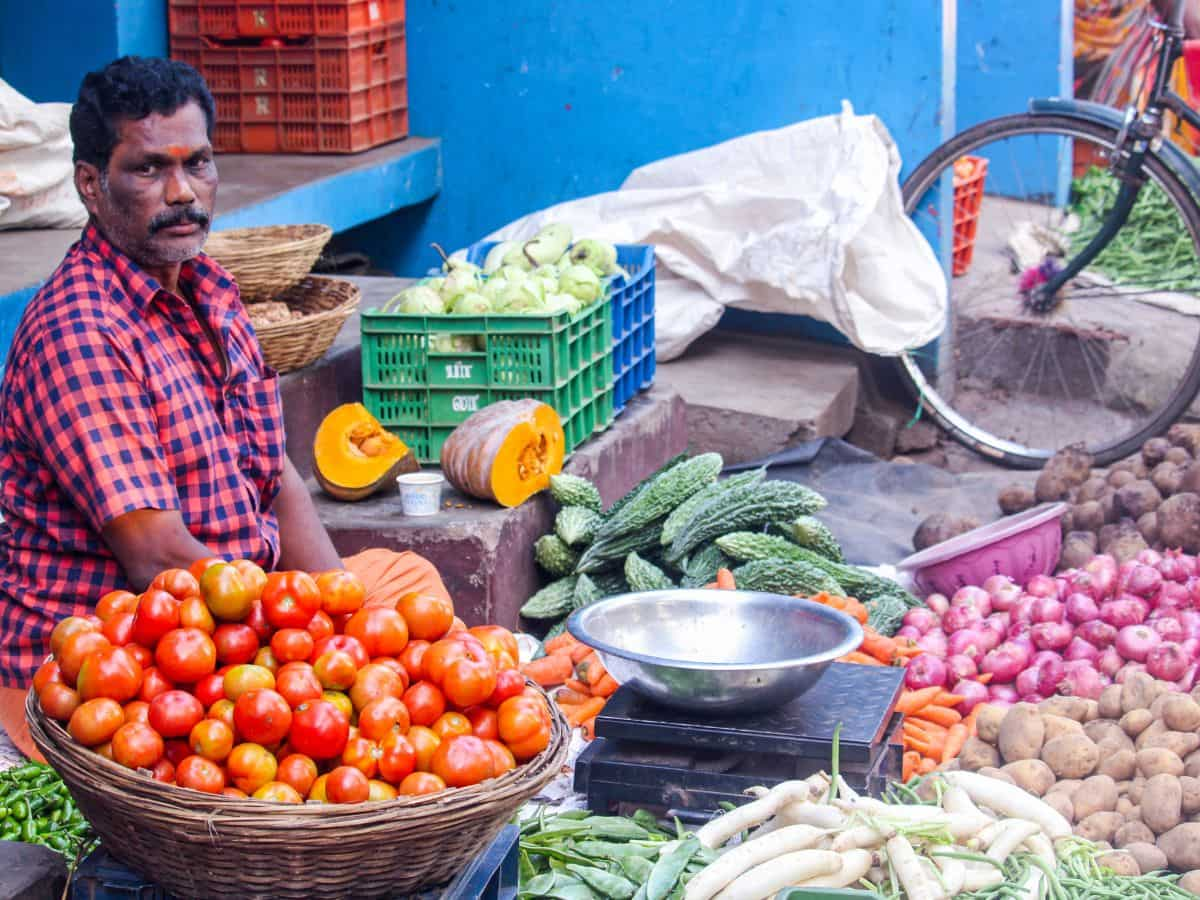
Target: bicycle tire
[954, 423]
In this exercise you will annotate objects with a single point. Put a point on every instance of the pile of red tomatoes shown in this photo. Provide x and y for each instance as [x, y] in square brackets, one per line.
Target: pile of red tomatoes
[291, 687]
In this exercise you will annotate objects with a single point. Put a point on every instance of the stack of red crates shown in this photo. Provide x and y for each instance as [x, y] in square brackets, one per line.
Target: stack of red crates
[298, 76]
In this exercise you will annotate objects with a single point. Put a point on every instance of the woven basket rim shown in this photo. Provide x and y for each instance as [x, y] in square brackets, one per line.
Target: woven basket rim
[271, 816]
[312, 286]
[278, 237]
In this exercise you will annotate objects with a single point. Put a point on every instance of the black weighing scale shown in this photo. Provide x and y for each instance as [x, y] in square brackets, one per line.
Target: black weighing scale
[647, 755]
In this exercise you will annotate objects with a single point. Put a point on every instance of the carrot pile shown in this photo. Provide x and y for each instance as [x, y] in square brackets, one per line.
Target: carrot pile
[585, 684]
[934, 731]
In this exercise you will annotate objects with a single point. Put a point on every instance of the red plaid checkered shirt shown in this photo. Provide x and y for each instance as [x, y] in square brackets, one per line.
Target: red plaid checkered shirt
[114, 400]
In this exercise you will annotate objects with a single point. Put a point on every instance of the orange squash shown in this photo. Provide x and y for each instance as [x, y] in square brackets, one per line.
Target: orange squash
[353, 456]
[506, 452]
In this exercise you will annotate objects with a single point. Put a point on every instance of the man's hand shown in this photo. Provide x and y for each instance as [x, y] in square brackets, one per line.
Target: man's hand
[146, 541]
[304, 543]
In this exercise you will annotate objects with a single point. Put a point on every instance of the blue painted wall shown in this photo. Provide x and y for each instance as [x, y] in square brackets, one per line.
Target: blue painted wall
[540, 102]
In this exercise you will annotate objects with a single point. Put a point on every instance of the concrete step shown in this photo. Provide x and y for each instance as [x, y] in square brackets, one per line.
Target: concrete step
[751, 395]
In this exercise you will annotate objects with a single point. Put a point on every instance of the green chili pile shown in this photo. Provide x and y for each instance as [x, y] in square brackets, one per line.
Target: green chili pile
[37, 808]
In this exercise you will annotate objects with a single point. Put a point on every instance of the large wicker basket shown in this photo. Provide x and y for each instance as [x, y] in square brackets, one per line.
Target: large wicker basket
[266, 260]
[212, 846]
[326, 304]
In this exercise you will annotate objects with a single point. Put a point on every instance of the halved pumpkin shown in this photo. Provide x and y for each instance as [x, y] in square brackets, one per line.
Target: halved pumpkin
[506, 452]
[354, 456]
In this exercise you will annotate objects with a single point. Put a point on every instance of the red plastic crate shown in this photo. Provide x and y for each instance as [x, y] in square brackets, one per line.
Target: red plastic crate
[312, 137]
[183, 18]
[968, 198]
[279, 18]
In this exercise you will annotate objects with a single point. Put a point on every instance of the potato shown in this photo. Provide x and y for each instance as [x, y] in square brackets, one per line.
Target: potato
[1022, 733]
[1162, 803]
[1191, 794]
[977, 754]
[1016, 498]
[1182, 434]
[1119, 765]
[1031, 775]
[1075, 708]
[1058, 726]
[1138, 498]
[1181, 743]
[1182, 846]
[1120, 862]
[998, 774]
[1156, 707]
[1125, 547]
[1092, 489]
[1078, 548]
[1191, 765]
[1072, 464]
[1155, 450]
[1149, 858]
[1180, 456]
[1179, 522]
[1091, 710]
[1118, 478]
[1158, 761]
[1181, 713]
[1087, 516]
[1101, 826]
[1138, 692]
[1071, 756]
[1126, 807]
[1110, 702]
[1191, 479]
[1156, 729]
[1195, 694]
[1066, 785]
[1147, 527]
[1134, 791]
[1136, 721]
[987, 723]
[1061, 803]
[1166, 478]
[1095, 794]
[1190, 882]
[1050, 487]
[1133, 833]
[941, 527]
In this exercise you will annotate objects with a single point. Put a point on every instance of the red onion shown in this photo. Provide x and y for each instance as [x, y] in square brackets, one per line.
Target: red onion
[1136, 641]
[1019, 630]
[1102, 576]
[1026, 682]
[1097, 633]
[938, 603]
[1190, 620]
[1128, 669]
[1042, 586]
[1024, 647]
[1109, 662]
[1081, 649]
[972, 692]
[1050, 673]
[1125, 610]
[961, 667]
[921, 618]
[1048, 609]
[1084, 681]
[1042, 657]
[1172, 595]
[1004, 663]
[1002, 693]
[907, 631]
[1139, 579]
[1167, 661]
[1149, 557]
[1022, 610]
[1003, 592]
[1081, 608]
[1188, 680]
[968, 642]
[924, 671]
[972, 596]
[1173, 568]
[933, 642]
[959, 617]
[1191, 646]
[1051, 635]
[991, 632]
[1168, 629]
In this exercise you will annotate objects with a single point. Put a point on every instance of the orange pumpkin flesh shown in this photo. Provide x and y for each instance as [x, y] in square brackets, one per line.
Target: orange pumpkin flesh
[506, 452]
[353, 456]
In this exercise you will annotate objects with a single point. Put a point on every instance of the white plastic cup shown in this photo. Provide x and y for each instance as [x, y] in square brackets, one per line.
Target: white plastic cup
[420, 493]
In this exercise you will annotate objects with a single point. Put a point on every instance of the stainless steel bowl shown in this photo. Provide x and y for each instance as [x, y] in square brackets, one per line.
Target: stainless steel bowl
[715, 651]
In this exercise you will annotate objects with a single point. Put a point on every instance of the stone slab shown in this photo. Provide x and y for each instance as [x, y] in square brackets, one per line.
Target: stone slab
[30, 872]
[750, 395]
[484, 552]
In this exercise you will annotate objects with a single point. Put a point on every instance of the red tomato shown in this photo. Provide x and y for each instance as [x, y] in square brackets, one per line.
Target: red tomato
[250, 766]
[257, 619]
[346, 644]
[96, 721]
[164, 771]
[320, 626]
[194, 613]
[262, 716]
[200, 566]
[157, 613]
[319, 730]
[290, 599]
[502, 758]
[297, 682]
[439, 656]
[58, 701]
[299, 771]
[363, 755]
[347, 784]
[144, 657]
[265, 658]
[235, 643]
[278, 792]
[509, 683]
[185, 655]
[222, 710]
[47, 673]
[179, 583]
[119, 628]
[341, 592]
[425, 703]
[412, 659]
[137, 711]
[451, 723]
[485, 723]
[109, 672]
[115, 602]
[200, 774]
[67, 627]
[461, 760]
[153, 684]
[225, 593]
[421, 783]
[76, 649]
[424, 742]
[341, 701]
[524, 724]
[137, 746]
[176, 750]
[253, 577]
[292, 645]
[209, 689]
[469, 683]
[397, 758]
[174, 713]
[456, 626]
[316, 793]
[390, 662]
[372, 682]
[212, 739]
[380, 791]
[500, 643]
[382, 631]
[428, 617]
[335, 670]
[383, 716]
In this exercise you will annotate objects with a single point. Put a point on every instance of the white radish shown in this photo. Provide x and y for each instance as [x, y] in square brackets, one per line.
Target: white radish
[917, 885]
[756, 792]
[816, 814]
[875, 875]
[855, 866]
[732, 863]
[715, 833]
[1010, 800]
[859, 837]
[895, 812]
[1031, 887]
[954, 874]
[956, 800]
[1014, 833]
[979, 876]
[772, 876]
[1039, 845]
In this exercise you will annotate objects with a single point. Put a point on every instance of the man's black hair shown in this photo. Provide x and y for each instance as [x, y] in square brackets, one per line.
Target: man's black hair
[131, 87]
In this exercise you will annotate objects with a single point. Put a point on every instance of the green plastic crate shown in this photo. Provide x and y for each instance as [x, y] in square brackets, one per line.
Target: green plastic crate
[421, 395]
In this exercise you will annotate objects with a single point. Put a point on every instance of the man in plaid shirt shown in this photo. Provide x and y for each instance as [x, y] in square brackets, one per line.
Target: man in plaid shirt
[139, 427]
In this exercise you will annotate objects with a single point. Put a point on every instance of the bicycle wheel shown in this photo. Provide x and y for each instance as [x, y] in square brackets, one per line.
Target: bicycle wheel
[1117, 358]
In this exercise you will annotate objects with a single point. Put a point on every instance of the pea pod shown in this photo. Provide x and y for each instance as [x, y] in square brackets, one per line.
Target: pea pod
[615, 828]
[638, 868]
[612, 886]
[670, 867]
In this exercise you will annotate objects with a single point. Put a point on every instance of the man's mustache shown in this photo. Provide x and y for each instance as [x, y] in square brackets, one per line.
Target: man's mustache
[193, 215]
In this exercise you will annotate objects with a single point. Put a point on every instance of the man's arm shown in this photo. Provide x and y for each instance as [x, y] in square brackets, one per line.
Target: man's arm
[146, 541]
[303, 541]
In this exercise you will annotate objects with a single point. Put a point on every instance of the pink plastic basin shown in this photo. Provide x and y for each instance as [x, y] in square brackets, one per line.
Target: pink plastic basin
[1019, 546]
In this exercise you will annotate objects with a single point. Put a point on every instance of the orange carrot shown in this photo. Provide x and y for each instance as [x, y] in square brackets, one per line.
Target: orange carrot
[911, 701]
[862, 659]
[579, 687]
[941, 715]
[568, 697]
[912, 759]
[560, 642]
[955, 739]
[926, 765]
[606, 686]
[711, 586]
[725, 580]
[984, 678]
[581, 712]
[588, 727]
[945, 698]
[878, 646]
[925, 748]
[908, 650]
[591, 669]
[579, 652]
[972, 717]
[549, 670]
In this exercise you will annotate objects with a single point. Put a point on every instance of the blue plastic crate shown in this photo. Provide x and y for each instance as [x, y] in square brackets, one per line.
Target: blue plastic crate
[632, 319]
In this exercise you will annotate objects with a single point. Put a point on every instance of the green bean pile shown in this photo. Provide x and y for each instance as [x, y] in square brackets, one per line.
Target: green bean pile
[37, 808]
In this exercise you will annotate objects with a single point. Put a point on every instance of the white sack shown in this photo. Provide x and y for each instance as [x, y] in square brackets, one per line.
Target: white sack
[806, 220]
[37, 187]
